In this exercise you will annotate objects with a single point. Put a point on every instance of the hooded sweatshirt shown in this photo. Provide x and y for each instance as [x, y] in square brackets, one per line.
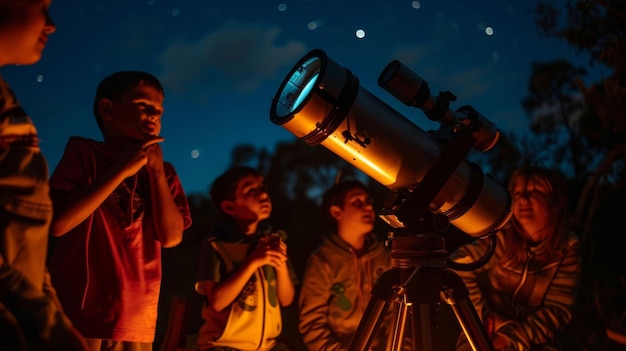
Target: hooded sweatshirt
[336, 290]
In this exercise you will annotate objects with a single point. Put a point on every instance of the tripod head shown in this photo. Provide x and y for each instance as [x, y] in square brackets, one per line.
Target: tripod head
[409, 209]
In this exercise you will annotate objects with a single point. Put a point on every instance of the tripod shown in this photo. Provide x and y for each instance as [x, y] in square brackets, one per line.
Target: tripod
[419, 275]
[418, 278]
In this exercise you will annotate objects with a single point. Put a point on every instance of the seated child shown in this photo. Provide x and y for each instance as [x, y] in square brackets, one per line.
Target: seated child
[340, 273]
[244, 273]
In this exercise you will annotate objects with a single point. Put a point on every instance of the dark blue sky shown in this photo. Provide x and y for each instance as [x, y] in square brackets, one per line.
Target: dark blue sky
[222, 61]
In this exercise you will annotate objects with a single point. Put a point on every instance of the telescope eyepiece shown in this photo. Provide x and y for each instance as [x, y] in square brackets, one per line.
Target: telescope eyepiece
[410, 89]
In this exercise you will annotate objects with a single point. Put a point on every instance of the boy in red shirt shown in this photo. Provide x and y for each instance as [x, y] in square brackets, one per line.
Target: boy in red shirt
[117, 203]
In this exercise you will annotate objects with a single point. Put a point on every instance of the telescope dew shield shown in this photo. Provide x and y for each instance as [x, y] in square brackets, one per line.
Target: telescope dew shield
[321, 102]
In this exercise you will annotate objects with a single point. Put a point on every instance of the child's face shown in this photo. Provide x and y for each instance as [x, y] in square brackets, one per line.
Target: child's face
[356, 213]
[251, 203]
[137, 116]
[26, 31]
[531, 201]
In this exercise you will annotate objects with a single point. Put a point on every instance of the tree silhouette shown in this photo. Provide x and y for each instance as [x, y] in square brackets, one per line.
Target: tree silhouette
[596, 28]
[555, 106]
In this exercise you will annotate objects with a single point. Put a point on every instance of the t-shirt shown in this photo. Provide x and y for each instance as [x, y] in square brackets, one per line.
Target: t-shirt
[107, 270]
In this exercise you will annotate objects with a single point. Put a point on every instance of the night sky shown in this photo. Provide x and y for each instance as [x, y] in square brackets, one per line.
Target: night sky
[222, 61]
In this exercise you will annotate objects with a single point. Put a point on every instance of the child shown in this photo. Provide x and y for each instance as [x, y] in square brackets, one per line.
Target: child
[117, 203]
[340, 273]
[524, 294]
[244, 273]
[30, 316]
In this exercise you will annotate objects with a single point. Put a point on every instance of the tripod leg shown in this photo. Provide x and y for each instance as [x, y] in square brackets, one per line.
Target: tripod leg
[397, 326]
[383, 293]
[455, 293]
[422, 294]
[422, 330]
[369, 325]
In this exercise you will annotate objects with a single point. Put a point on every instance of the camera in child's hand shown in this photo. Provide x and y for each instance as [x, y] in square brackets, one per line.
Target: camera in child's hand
[272, 240]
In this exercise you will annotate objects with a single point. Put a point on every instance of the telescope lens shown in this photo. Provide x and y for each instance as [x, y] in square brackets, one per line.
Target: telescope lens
[298, 87]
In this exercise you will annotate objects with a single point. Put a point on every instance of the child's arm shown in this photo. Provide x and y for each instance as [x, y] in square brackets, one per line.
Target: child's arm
[74, 207]
[221, 295]
[167, 219]
[314, 305]
[285, 288]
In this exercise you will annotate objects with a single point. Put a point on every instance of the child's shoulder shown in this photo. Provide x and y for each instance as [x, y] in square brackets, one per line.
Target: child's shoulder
[81, 144]
[82, 141]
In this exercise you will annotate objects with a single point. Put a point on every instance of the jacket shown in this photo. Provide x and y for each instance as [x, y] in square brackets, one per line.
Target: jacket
[527, 302]
[336, 290]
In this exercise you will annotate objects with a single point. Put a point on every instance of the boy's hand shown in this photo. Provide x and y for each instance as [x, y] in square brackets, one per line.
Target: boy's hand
[269, 252]
[135, 157]
[282, 248]
[155, 157]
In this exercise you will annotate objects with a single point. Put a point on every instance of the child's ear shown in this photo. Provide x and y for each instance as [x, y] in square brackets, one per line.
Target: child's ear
[335, 212]
[105, 107]
[227, 207]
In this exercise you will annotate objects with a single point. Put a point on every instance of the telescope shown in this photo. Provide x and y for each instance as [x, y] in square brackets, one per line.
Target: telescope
[321, 102]
[432, 187]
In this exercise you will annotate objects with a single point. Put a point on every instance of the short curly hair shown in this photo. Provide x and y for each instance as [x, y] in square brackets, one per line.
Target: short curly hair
[225, 186]
[336, 195]
[118, 84]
